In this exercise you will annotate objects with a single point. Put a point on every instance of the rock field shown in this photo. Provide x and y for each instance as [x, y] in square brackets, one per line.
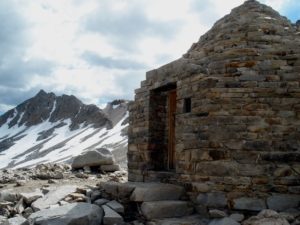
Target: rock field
[52, 194]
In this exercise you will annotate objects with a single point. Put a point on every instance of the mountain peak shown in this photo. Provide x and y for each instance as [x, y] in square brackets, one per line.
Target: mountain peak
[41, 93]
[51, 128]
[44, 95]
[47, 106]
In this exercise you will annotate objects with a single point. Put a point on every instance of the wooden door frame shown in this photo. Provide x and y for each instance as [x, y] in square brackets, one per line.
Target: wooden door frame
[172, 95]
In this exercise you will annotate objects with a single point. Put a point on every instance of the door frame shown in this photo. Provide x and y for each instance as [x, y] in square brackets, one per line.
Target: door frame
[171, 156]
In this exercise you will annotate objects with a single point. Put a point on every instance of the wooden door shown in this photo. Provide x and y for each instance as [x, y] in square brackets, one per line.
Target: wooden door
[171, 128]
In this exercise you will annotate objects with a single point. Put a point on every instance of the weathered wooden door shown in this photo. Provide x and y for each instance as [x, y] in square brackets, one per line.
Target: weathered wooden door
[171, 128]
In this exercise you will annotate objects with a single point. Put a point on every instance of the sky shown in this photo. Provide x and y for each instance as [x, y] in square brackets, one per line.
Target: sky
[99, 50]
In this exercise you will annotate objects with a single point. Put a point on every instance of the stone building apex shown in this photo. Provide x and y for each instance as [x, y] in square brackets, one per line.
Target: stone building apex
[249, 18]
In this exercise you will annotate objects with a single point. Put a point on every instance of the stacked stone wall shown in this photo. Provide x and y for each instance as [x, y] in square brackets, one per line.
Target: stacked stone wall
[239, 147]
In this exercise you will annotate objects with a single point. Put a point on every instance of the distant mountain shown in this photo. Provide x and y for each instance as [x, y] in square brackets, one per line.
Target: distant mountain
[50, 128]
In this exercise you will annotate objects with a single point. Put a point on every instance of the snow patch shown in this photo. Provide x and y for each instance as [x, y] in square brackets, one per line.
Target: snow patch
[269, 18]
[61, 145]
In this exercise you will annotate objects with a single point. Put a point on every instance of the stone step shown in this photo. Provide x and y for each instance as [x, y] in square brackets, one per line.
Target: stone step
[147, 192]
[166, 209]
[143, 192]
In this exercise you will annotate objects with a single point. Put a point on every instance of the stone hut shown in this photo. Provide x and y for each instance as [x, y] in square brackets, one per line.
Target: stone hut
[224, 120]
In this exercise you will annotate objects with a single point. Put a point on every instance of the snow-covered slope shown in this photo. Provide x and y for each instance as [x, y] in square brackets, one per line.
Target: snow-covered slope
[57, 135]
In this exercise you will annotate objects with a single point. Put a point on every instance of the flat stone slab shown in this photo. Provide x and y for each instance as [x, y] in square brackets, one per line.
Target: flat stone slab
[111, 217]
[251, 204]
[53, 197]
[116, 206]
[3, 220]
[147, 192]
[17, 220]
[190, 220]
[101, 201]
[98, 157]
[224, 221]
[212, 200]
[70, 214]
[281, 202]
[165, 209]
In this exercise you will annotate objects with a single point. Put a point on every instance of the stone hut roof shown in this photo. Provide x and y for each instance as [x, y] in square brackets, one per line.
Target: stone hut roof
[253, 35]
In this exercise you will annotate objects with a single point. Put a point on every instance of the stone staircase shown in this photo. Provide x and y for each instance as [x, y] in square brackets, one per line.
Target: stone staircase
[157, 202]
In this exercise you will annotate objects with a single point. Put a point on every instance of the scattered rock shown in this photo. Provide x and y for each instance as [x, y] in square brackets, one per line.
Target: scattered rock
[110, 168]
[70, 214]
[20, 183]
[78, 197]
[81, 175]
[20, 206]
[8, 195]
[53, 197]
[18, 220]
[27, 212]
[215, 213]
[237, 217]
[3, 219]
[49, 171]
[87, 169]
[266, 217]
[288, 216]
[51, 181]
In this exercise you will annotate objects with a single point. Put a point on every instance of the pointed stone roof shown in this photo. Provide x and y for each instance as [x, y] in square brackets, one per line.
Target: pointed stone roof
[253, 39]
[250, 31]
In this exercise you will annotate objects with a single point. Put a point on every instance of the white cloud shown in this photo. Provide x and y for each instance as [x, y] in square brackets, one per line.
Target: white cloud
[277, 4]
[145, 34]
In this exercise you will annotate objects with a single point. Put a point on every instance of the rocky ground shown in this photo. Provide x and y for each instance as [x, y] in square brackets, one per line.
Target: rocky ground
[20, 189]
[53, 194]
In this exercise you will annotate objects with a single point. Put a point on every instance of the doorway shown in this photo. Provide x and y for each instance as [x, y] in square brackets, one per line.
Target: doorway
[162, 120]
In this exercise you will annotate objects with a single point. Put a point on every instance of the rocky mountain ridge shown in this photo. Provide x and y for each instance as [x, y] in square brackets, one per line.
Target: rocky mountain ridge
[50, 128]
[45, 106]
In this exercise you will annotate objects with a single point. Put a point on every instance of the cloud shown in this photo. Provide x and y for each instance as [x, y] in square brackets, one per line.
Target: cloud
[206, 12]
[109, 62]
[126, 26]
[16, 71]
[99, 50]
[12, 34]
[129, 81]
[292, 9]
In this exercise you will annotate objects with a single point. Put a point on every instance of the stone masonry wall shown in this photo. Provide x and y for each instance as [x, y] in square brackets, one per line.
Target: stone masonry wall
[239, 147]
